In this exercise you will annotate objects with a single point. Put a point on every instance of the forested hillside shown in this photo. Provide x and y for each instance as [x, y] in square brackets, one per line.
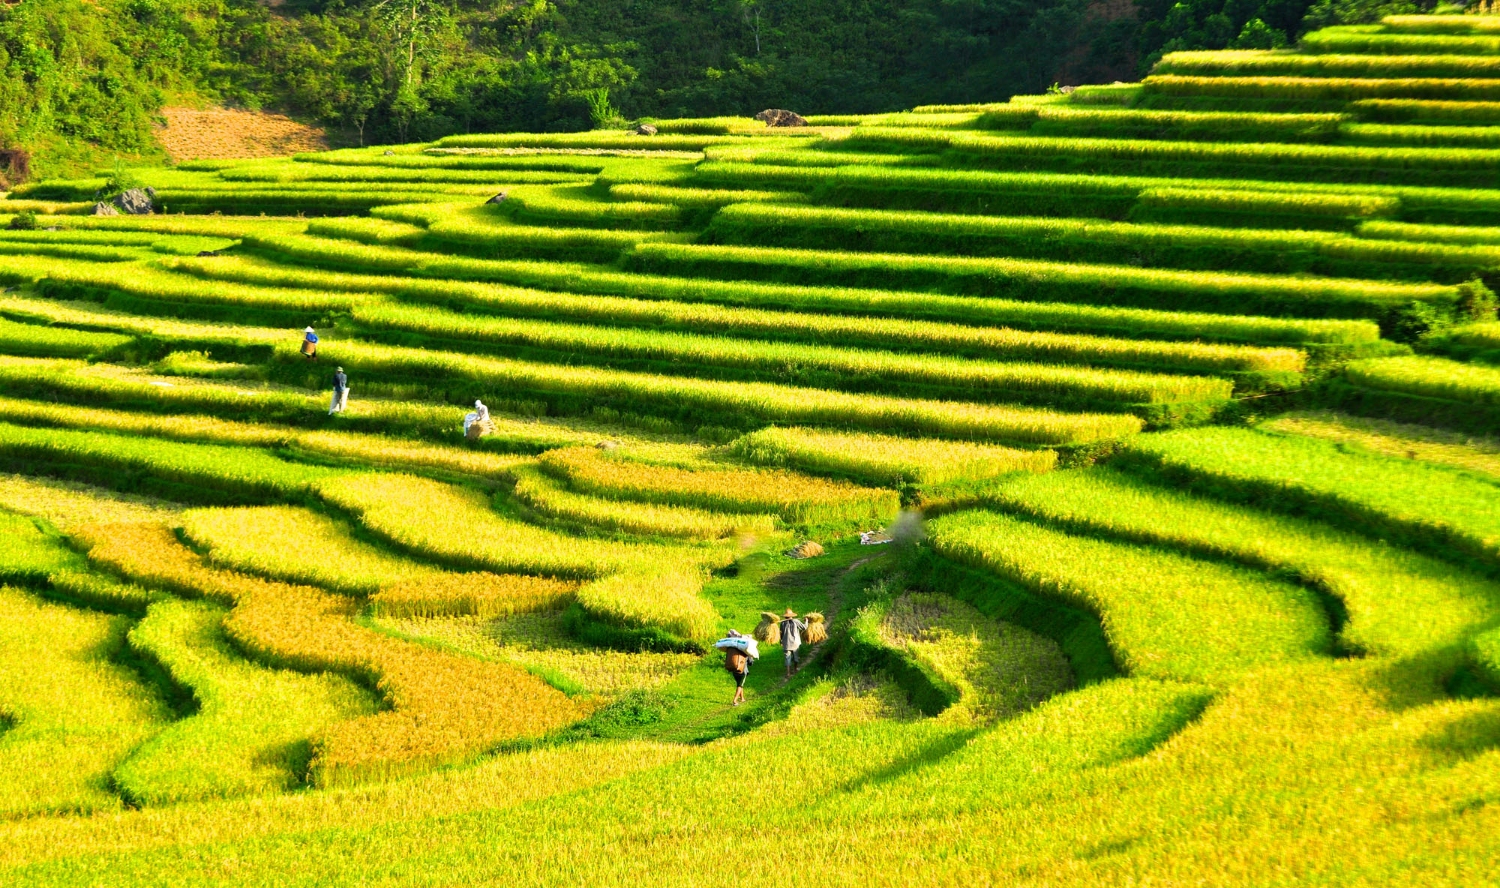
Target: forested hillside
[83, 80]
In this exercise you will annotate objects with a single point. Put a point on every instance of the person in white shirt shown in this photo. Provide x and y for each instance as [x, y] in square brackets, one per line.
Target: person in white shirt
[791, 638]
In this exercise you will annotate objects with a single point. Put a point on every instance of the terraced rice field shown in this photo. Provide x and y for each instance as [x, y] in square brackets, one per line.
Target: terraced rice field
[1175, 408]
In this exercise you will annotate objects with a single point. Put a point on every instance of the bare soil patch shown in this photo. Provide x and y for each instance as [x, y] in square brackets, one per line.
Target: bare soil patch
[191, 134]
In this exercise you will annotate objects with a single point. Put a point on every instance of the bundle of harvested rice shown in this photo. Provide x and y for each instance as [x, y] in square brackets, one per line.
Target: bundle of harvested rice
[806, 549]
[769, 631]
[817, 629]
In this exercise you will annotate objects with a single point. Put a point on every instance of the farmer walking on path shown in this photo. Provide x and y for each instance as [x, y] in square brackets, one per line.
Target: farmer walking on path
[340, 392]
[739, 651]
[791, 638]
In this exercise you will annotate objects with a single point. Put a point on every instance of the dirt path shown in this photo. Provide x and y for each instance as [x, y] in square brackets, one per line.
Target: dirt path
[835, 604]
[722, 714]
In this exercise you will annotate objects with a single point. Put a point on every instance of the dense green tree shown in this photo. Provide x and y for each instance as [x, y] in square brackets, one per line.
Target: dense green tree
[1358, 12]
[93, 73]
[1172, 25]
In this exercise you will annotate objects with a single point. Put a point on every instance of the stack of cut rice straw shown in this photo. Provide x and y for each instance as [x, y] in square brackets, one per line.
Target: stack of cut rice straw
[769, 630]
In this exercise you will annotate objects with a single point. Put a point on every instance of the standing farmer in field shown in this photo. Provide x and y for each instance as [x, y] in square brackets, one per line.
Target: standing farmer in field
[310, 344]
[340, 392]
[791, 638]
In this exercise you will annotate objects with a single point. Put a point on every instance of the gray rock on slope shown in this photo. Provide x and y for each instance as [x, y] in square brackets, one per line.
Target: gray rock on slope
[780, 117]
[136, 201]
[104, 208]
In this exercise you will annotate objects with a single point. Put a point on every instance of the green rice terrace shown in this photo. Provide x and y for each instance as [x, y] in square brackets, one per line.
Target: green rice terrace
[1174, 407]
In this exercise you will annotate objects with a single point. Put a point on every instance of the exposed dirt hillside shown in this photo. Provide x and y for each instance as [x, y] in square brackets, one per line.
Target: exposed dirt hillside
[191, 134]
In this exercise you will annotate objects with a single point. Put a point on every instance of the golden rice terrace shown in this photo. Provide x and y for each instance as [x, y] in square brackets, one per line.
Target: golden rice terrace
[1174, 405]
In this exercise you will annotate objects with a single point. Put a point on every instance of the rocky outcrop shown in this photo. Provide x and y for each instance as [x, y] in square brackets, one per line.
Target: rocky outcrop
[15, 164]
[645, 129]
[136, 201]
[779, 117]
[104, 208]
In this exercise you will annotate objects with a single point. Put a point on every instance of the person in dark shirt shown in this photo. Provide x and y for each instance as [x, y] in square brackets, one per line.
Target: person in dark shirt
[340, 392]
[737, 663]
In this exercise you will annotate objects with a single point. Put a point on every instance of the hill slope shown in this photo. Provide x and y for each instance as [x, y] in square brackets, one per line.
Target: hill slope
[1193, 380]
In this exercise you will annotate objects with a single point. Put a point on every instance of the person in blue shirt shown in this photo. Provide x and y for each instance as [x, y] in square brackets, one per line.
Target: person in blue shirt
[310, 344]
